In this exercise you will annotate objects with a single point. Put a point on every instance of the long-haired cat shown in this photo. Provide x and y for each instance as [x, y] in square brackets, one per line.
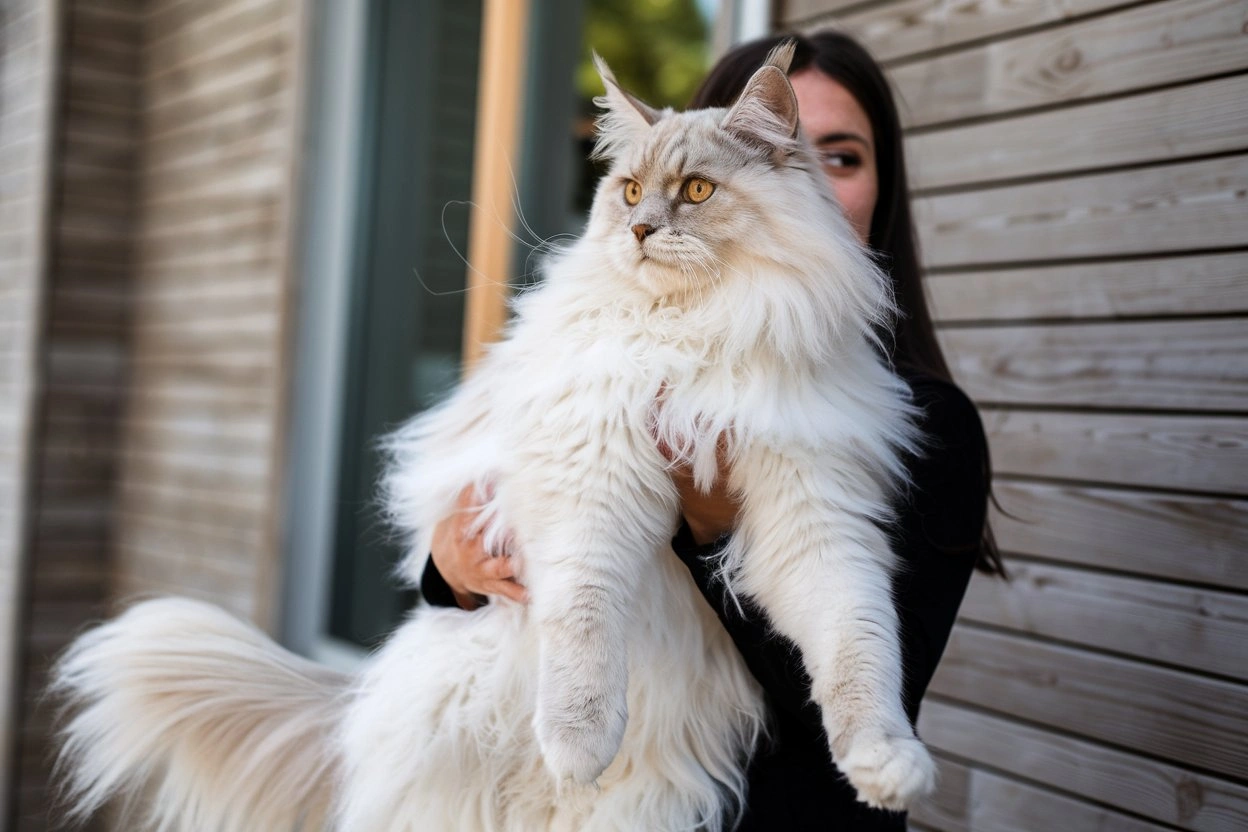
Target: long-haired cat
[717, 302]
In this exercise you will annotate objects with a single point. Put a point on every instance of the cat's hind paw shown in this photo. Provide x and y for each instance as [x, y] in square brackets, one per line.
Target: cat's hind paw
[889, 772]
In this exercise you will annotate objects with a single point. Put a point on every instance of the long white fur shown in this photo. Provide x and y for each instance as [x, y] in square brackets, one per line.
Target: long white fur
[205, 717]
[614, 700]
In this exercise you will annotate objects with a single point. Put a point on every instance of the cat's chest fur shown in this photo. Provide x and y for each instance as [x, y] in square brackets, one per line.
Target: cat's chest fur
[576, 355]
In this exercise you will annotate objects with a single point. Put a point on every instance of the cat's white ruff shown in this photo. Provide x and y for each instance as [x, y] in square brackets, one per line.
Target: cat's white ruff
[462, 719]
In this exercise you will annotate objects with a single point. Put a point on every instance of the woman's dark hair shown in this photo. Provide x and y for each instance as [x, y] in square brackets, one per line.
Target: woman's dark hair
[892, 234]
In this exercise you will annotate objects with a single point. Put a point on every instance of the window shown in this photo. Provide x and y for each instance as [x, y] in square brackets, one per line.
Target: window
[382, 283]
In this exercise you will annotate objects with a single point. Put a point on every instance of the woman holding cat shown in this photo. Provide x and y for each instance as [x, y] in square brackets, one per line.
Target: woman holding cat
[941, 534]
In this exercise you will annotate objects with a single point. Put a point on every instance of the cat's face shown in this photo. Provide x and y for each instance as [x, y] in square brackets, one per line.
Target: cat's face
[690, 196]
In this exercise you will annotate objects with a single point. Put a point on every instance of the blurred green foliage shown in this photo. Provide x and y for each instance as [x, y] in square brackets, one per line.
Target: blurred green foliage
[657, 49]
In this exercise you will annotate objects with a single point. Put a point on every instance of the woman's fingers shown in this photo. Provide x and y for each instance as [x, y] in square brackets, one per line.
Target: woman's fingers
[459, 553]
[467, 498]
[508, 589]
[499, 568]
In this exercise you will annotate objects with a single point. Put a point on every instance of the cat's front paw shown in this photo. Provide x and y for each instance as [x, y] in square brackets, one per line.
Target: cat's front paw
[578, 743]
[889, 772]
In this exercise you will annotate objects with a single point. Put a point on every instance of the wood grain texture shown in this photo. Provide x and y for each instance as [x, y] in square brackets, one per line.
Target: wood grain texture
[974, 800]
[1158, 43]
[1155, 126]
[1180, 207]
[1168, 793]
[29, 53]
[495, 148]
[83, 356]
[1150, 620]
[1194, 453]
[902, 29]
[1162, 286]
[949, 809]
[1004, 805]
[1181, 717]
[1145, 365]
[798, 11]
[1196, 539]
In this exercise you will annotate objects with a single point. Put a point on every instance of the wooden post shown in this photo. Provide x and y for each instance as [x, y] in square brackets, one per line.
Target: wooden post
[499, 108]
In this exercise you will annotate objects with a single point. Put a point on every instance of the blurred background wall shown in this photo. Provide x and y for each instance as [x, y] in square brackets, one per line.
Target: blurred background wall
[28, 53]
[149, 170]
[232, 253]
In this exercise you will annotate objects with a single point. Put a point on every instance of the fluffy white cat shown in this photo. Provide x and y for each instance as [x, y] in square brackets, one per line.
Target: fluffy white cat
[717, 299]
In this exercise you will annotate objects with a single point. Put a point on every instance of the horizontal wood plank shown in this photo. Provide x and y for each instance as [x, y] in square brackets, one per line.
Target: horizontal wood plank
[1196, 539]
[798, 11]
[1004, 805]
[1198, 629]
[1185, 718]
[1194, 453]
[1157, 790]
[1148, 45]
[1169, 124]
[1179, 207]
[1201, 284]
[207, 104]
[1181, 365]
[949, 808]
[211, 35]
[903, 29]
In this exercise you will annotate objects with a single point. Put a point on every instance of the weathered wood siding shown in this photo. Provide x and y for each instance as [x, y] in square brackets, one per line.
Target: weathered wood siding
[28, 49]
[202, 429]
[83, 359]
[156, 437]
[1081, 176]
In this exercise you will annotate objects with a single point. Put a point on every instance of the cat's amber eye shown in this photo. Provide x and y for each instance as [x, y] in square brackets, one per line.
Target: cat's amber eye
[698, 190]
[632, 192]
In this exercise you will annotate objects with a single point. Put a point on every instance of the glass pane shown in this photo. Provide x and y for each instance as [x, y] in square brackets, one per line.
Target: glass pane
[408, 306]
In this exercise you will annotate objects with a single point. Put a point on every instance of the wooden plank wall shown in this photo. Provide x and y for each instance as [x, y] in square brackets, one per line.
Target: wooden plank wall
[83, 357]
[1081, 185]
[28, 50]
[159, 437]
[203, 434]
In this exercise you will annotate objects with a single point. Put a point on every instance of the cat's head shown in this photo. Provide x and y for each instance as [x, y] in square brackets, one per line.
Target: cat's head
[693, 198]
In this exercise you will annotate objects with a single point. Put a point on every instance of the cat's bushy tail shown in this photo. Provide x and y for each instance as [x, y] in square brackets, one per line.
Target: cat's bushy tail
[197, 721]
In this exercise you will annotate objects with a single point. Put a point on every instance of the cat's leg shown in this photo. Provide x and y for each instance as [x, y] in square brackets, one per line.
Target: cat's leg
[808, 552]
[590, 524]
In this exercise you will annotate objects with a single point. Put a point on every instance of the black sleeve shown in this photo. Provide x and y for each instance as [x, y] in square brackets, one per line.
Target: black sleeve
[939, 531]
[936, 536]
[434, 587]
[772, 658]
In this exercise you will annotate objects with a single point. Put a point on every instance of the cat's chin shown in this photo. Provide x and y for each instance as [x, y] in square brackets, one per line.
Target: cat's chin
[664, 280]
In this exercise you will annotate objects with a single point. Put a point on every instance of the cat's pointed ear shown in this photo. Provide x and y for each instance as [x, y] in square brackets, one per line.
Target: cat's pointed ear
[625, 117]
[766, 111]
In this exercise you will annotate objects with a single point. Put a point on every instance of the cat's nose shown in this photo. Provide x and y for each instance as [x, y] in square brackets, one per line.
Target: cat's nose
[641, 231]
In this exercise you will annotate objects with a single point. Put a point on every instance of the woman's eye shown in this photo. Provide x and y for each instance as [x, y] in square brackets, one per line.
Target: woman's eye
[840, 159]
[632, 192]
[698, 190]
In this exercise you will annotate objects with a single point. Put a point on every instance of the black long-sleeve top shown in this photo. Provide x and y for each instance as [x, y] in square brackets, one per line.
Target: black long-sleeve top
[792, 782]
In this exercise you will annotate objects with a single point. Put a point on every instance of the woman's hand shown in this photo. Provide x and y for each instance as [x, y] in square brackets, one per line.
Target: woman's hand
[709, 514]
[469, 570]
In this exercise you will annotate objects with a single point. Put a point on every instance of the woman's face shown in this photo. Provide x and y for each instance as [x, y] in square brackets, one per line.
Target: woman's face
[841, 134]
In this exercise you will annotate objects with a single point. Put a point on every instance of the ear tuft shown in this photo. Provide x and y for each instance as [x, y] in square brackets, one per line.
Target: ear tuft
[625, 117]
[781, 56]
